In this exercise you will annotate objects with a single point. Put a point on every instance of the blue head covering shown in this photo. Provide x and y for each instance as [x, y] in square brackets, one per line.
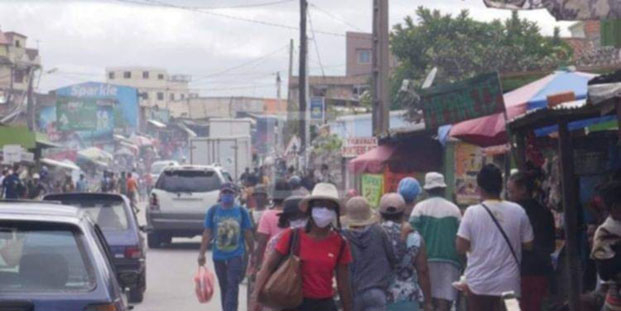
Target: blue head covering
[409, 189]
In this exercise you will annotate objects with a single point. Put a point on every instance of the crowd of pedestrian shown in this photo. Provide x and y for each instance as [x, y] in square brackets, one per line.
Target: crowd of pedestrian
[406, 253]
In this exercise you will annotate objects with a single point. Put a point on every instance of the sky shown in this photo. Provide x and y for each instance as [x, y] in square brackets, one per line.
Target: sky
[230, 47]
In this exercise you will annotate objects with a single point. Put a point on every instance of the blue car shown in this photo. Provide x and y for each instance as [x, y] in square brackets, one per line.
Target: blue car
[114, 215]
[54, 258]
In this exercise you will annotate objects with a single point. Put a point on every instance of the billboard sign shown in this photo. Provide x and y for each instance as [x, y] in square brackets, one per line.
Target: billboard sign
[464, 100]
[317, 109]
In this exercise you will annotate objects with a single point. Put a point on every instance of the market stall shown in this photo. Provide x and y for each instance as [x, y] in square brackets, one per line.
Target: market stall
[575, 160]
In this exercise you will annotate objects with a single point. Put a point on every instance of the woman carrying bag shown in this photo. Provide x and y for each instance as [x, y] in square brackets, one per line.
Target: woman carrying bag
[321, 250]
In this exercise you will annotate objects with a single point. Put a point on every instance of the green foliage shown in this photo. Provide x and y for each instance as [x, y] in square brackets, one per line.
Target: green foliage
[462, 47]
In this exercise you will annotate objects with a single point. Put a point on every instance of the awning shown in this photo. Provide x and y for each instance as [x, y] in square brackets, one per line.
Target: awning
[491, 130]
[42, 141]
[418, 154]
[95, 154]
[17, 135]
[157, 124]
[187, 130]
[66, 164]
[563, 9]
[141, 140]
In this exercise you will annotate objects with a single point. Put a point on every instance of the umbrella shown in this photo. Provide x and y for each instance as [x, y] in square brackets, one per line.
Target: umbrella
[491, 131]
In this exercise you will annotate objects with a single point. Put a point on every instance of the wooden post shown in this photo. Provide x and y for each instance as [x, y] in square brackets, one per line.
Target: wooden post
[520, 153]
[570, 215]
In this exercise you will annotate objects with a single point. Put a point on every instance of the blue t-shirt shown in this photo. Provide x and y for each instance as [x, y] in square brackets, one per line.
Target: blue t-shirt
[228, 226]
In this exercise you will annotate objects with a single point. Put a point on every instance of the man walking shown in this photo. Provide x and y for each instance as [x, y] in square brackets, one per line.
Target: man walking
[12, 184]
[493, 234]
[36, 188]
[229, 226]
[373, 255]
[437, 220]
[537, 263]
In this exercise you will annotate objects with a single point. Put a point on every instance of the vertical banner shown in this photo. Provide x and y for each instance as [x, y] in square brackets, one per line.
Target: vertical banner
[317, 108]
[373, 188]
[469, 160]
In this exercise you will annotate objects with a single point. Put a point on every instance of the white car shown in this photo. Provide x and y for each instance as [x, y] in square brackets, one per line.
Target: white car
[158, 166]
[179, 201]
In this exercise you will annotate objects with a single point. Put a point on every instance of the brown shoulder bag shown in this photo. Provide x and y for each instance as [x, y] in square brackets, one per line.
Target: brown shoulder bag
[284, 288]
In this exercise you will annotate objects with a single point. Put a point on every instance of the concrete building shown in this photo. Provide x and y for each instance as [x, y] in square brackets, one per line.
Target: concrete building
[359, 49]
[199, 108]
[155, 85]
[589, 54]
[337, 90]
[17, 66]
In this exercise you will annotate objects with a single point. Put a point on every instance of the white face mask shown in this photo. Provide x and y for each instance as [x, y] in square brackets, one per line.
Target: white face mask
[323, 216]
[298, 223]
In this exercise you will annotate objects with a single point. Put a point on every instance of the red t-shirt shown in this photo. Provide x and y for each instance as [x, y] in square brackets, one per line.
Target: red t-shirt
[318, 261]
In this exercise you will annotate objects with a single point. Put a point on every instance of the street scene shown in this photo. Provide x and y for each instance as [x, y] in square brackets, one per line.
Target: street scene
[306, 155]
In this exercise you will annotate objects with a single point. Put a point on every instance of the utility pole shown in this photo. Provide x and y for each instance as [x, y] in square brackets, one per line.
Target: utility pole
[278, 88]
[302, 75]
[381, 56]
[290, 109]
[30, 109]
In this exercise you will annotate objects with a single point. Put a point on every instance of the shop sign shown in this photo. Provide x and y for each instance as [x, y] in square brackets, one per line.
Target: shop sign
[27, 157]
[11, 154]
[464, 100]
[373, 188]
[356, 146]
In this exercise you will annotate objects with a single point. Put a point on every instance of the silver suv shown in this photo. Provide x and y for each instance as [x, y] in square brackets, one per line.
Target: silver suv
[179, 200]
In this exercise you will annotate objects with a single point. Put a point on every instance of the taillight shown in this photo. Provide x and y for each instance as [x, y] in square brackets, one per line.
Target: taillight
[104, 307]
[133, 252]
[154, 204]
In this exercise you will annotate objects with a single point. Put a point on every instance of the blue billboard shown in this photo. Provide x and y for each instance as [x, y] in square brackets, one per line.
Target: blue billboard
[126, 110]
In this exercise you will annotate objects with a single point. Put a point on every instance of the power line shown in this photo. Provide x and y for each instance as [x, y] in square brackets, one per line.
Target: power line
[156, 3]
[335, 17]
[310, 21]
[242, 64]
[240, 6]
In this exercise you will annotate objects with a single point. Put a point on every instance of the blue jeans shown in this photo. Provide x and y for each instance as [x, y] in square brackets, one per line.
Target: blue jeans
[230, 274]
[373, 299]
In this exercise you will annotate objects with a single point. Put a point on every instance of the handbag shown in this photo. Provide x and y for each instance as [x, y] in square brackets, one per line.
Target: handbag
[504, 235]
[284, 287]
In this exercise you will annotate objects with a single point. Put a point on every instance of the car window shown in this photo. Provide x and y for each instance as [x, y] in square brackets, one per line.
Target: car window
[109, 215]
[36, 257]
[156, 168]
[188, 181]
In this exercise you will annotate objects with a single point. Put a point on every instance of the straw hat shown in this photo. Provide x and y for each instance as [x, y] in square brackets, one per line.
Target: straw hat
[322, 191]
[359, 213]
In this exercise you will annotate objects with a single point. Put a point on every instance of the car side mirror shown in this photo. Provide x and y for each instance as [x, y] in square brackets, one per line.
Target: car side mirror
[143, 228]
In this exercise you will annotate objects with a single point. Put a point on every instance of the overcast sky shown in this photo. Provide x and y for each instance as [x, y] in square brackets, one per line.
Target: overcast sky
[225, 54]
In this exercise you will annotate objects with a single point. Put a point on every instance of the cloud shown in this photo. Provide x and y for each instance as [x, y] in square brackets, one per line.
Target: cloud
[82, 38]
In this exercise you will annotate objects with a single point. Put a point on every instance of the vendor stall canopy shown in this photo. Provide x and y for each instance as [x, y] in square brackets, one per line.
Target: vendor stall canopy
[491, 130]
[420, 155]
[568, 10]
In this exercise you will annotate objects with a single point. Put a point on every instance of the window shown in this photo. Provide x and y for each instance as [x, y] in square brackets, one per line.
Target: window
[53, 259]
[364, 56]
[127, 75]
[109, 214]
[145, 95]
[18, 44]
[18, 76]
[172, 96]
[160, 96]
[160, 76]
[145, 75]
[188, 181]
[111, 75]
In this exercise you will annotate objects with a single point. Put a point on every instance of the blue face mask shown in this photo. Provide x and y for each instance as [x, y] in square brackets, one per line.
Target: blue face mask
[227, 198]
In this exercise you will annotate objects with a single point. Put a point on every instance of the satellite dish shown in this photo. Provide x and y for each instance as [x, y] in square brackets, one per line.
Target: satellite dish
[430, 77]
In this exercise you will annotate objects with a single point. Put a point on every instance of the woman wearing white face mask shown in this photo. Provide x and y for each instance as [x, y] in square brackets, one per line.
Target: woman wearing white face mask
[322, 250]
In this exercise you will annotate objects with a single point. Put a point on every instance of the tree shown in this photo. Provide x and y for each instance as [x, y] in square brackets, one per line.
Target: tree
[462, 47]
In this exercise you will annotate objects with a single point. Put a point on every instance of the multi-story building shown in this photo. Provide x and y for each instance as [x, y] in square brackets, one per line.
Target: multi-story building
[17, 66]
[155, 86]
[359, 49]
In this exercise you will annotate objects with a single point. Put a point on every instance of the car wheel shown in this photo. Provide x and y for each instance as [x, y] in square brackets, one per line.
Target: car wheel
[154, 240]
[136, 295]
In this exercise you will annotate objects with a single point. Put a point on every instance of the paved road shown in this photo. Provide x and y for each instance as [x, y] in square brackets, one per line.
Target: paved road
[169, 278]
